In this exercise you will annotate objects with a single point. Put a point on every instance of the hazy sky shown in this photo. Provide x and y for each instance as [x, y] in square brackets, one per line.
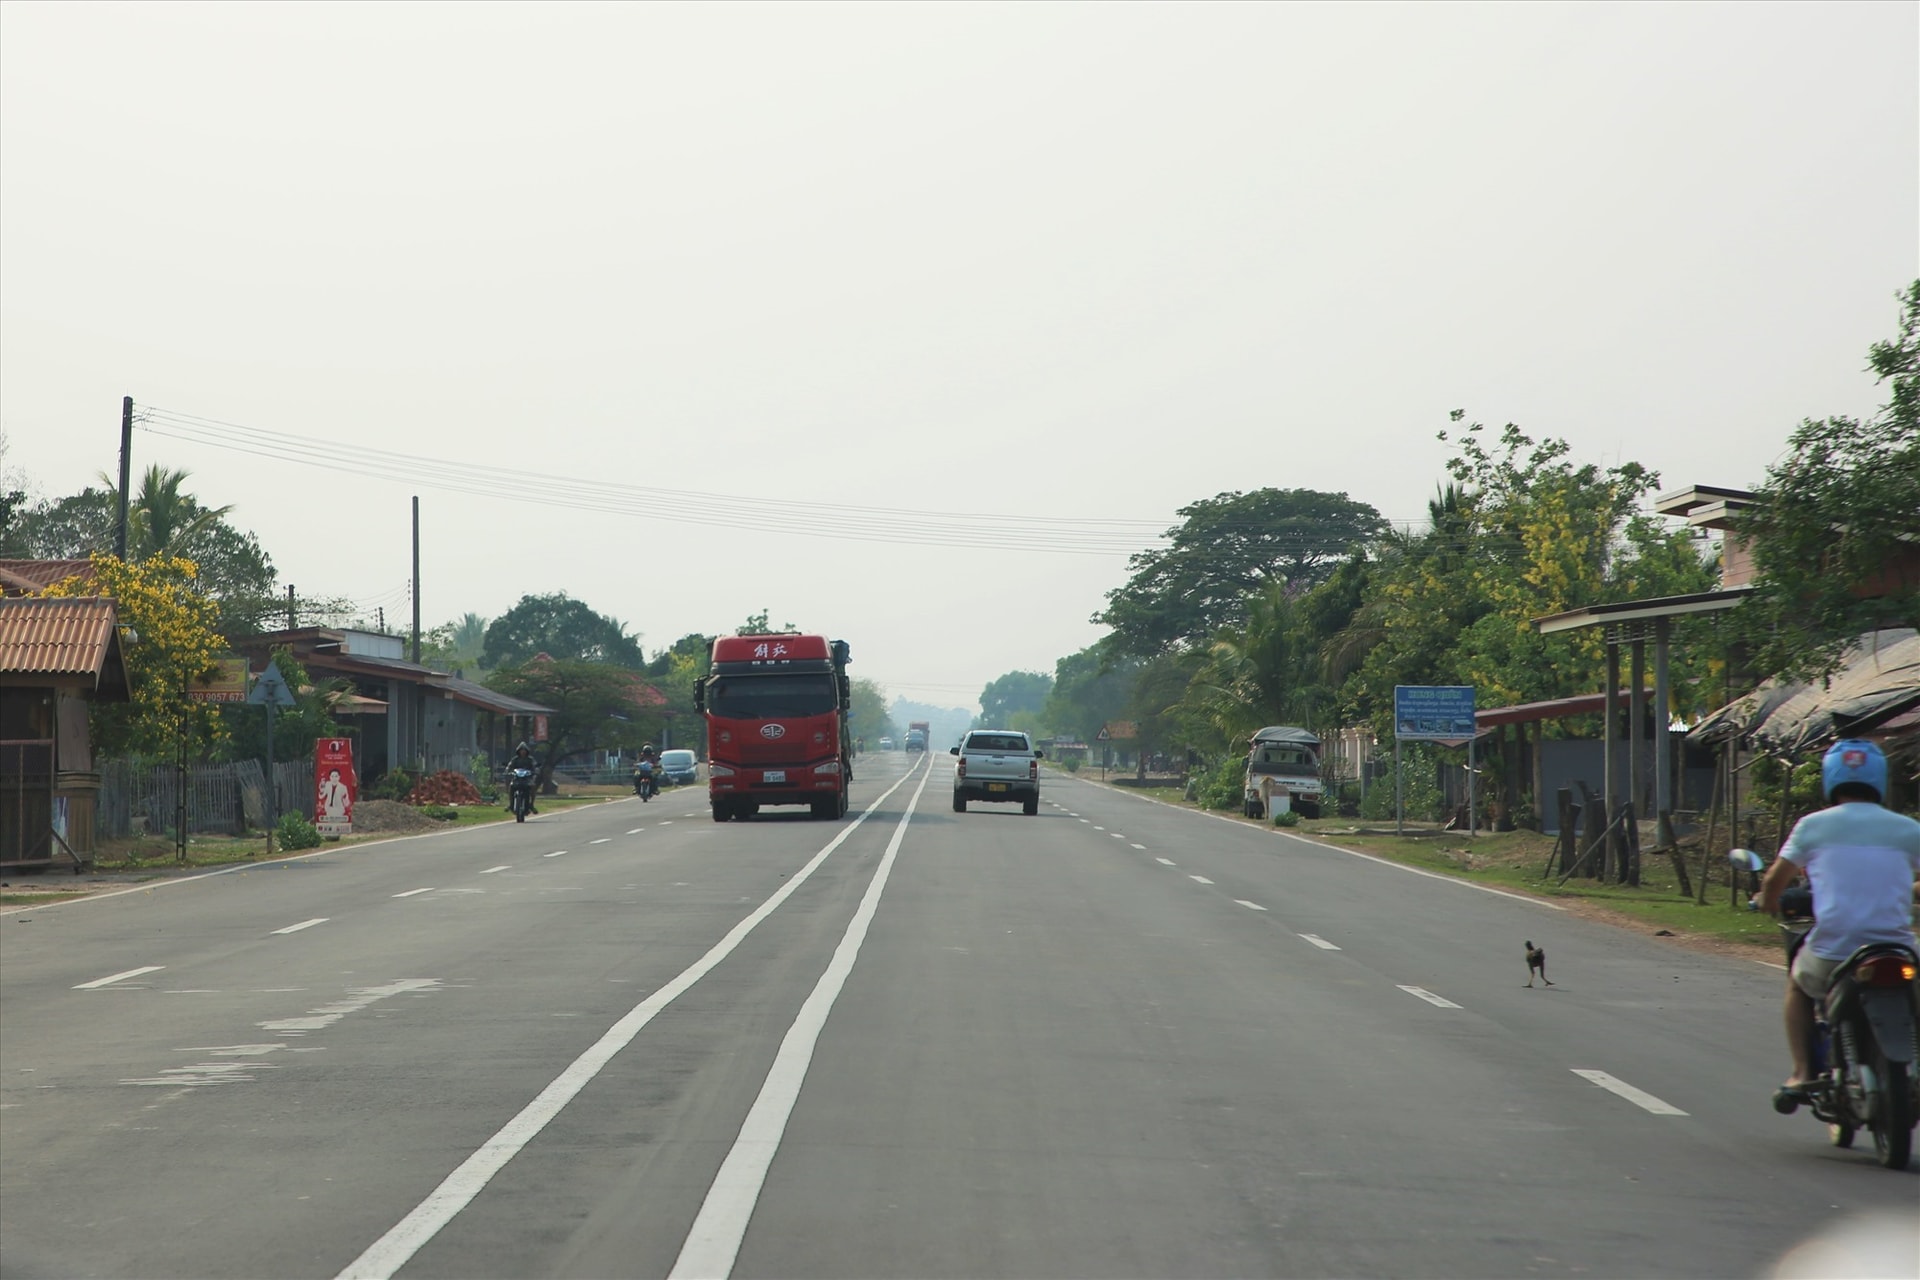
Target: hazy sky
[1074, 266]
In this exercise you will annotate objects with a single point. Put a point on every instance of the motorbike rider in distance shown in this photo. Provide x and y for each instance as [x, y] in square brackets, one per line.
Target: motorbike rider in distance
[1863, 862]
[646, 773]
[523, 759]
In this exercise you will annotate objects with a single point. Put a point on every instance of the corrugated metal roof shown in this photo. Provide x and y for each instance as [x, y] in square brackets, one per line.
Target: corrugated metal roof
[32, 576]
[63, 637]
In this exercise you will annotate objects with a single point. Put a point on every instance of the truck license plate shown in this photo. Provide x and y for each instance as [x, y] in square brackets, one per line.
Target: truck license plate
[774, 775]
[996, 786]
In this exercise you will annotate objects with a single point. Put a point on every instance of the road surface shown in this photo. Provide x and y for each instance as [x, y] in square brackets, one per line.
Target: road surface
[1114, 1039]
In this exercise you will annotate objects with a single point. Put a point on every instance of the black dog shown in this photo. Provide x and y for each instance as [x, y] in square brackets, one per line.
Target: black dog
[1537, 962]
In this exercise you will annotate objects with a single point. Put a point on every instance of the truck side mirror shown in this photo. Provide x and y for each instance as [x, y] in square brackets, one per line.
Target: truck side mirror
[1039, 755]
[953, 751]
[700, 694]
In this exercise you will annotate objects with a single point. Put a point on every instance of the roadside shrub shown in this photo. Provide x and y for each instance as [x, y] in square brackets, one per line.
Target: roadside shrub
[293, 831]
[1073, 764]
[1223, 786]
[1422, 785]
[1286, 818]
[394, 784]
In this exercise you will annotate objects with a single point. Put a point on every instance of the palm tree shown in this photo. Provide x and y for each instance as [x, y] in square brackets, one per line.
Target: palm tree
[161, 520]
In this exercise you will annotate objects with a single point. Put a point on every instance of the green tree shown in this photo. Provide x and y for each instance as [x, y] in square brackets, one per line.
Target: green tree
[757, 625]
[1836, 537]
[229, 565]
[1226, 548]
[1013, 694]
[1091, 688]
[456, 645]
[244, 726]
[596, 706]
[868, 718]
[1266, 670]
[1523, 532]
[562, 628]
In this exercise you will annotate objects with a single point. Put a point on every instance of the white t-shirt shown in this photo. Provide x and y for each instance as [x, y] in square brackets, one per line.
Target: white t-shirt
[1862, 860]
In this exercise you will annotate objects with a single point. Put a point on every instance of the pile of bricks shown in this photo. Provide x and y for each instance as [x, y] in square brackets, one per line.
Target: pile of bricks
[445, 787]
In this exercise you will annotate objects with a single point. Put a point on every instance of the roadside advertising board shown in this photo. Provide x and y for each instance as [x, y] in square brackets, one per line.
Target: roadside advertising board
[335, 786]
[227, 682]
[1433, 712]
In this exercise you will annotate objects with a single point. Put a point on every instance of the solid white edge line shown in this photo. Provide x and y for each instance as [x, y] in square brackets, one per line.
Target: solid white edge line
[304, 924]
[1439, 1002]
[1638, 1097]
[713, 1242]
[97, 983]
[408, 1236]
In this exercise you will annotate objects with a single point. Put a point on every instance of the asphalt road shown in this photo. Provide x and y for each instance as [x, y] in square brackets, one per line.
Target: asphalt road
[1114, 1039]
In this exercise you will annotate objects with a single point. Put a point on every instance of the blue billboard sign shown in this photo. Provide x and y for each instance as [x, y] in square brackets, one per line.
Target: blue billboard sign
[1433, 712]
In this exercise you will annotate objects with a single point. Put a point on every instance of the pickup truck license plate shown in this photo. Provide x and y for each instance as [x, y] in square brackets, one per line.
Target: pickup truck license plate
[774, 775]
[996, 786]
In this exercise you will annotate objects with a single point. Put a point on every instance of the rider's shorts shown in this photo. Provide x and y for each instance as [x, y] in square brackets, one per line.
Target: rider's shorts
[1813, 974]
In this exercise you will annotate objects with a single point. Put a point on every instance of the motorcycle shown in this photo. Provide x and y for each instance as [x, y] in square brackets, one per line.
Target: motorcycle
[520, 791]
[646, 781]
[1864, 1046]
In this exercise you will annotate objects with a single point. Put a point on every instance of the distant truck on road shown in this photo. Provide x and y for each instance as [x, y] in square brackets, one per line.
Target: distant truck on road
[776, 709]
[1283, 772]
[918, 733]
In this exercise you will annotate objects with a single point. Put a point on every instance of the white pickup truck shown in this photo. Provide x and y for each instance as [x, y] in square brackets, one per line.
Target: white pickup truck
[1000, 766]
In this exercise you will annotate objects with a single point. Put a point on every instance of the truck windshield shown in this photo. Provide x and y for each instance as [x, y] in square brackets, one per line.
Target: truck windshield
[770, 697]
[1284, 760]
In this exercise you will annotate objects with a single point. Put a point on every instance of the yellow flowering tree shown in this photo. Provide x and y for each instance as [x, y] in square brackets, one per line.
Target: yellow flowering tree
[173, 641]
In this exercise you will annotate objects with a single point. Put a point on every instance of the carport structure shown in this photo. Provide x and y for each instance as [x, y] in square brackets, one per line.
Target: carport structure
[1630, 625]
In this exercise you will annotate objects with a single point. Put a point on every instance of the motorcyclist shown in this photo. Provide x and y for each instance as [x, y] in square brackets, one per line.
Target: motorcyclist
[1863, 862]
[646, 772]
[523, 759]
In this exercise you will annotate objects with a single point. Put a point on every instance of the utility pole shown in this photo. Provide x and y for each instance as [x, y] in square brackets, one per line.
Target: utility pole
[126, 476]
[292, 619]
[416, 578]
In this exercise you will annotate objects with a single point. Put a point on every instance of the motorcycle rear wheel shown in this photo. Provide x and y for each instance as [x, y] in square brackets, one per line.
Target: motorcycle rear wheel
[1892, 1113]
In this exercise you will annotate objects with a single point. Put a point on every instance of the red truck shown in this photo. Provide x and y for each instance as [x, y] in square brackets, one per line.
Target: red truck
[776, 710]
[920, 736]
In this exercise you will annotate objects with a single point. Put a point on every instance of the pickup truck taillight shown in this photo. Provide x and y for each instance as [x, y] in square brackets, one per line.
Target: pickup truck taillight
[960, 771]
[1033, 770]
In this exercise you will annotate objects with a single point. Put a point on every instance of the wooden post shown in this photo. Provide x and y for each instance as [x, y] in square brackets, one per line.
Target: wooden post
[1569, 818]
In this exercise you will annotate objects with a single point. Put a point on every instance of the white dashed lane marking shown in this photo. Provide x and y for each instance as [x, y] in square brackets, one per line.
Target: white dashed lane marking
[411, 892]
[490, 870]
[1428, 996]
[97, 983]
[1251, 906]
[601, 840]
[1142, 848]
[1200, 879]
[636, 831]
[557, 853]
[1166, 862]
[1638, 1097]
[1319, 942]
[304, 924]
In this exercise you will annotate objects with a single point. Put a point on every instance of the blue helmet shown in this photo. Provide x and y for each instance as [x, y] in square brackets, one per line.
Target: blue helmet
[1852, 761]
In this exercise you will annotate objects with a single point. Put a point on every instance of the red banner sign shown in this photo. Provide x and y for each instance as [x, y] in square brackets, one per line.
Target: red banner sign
[335, 786]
